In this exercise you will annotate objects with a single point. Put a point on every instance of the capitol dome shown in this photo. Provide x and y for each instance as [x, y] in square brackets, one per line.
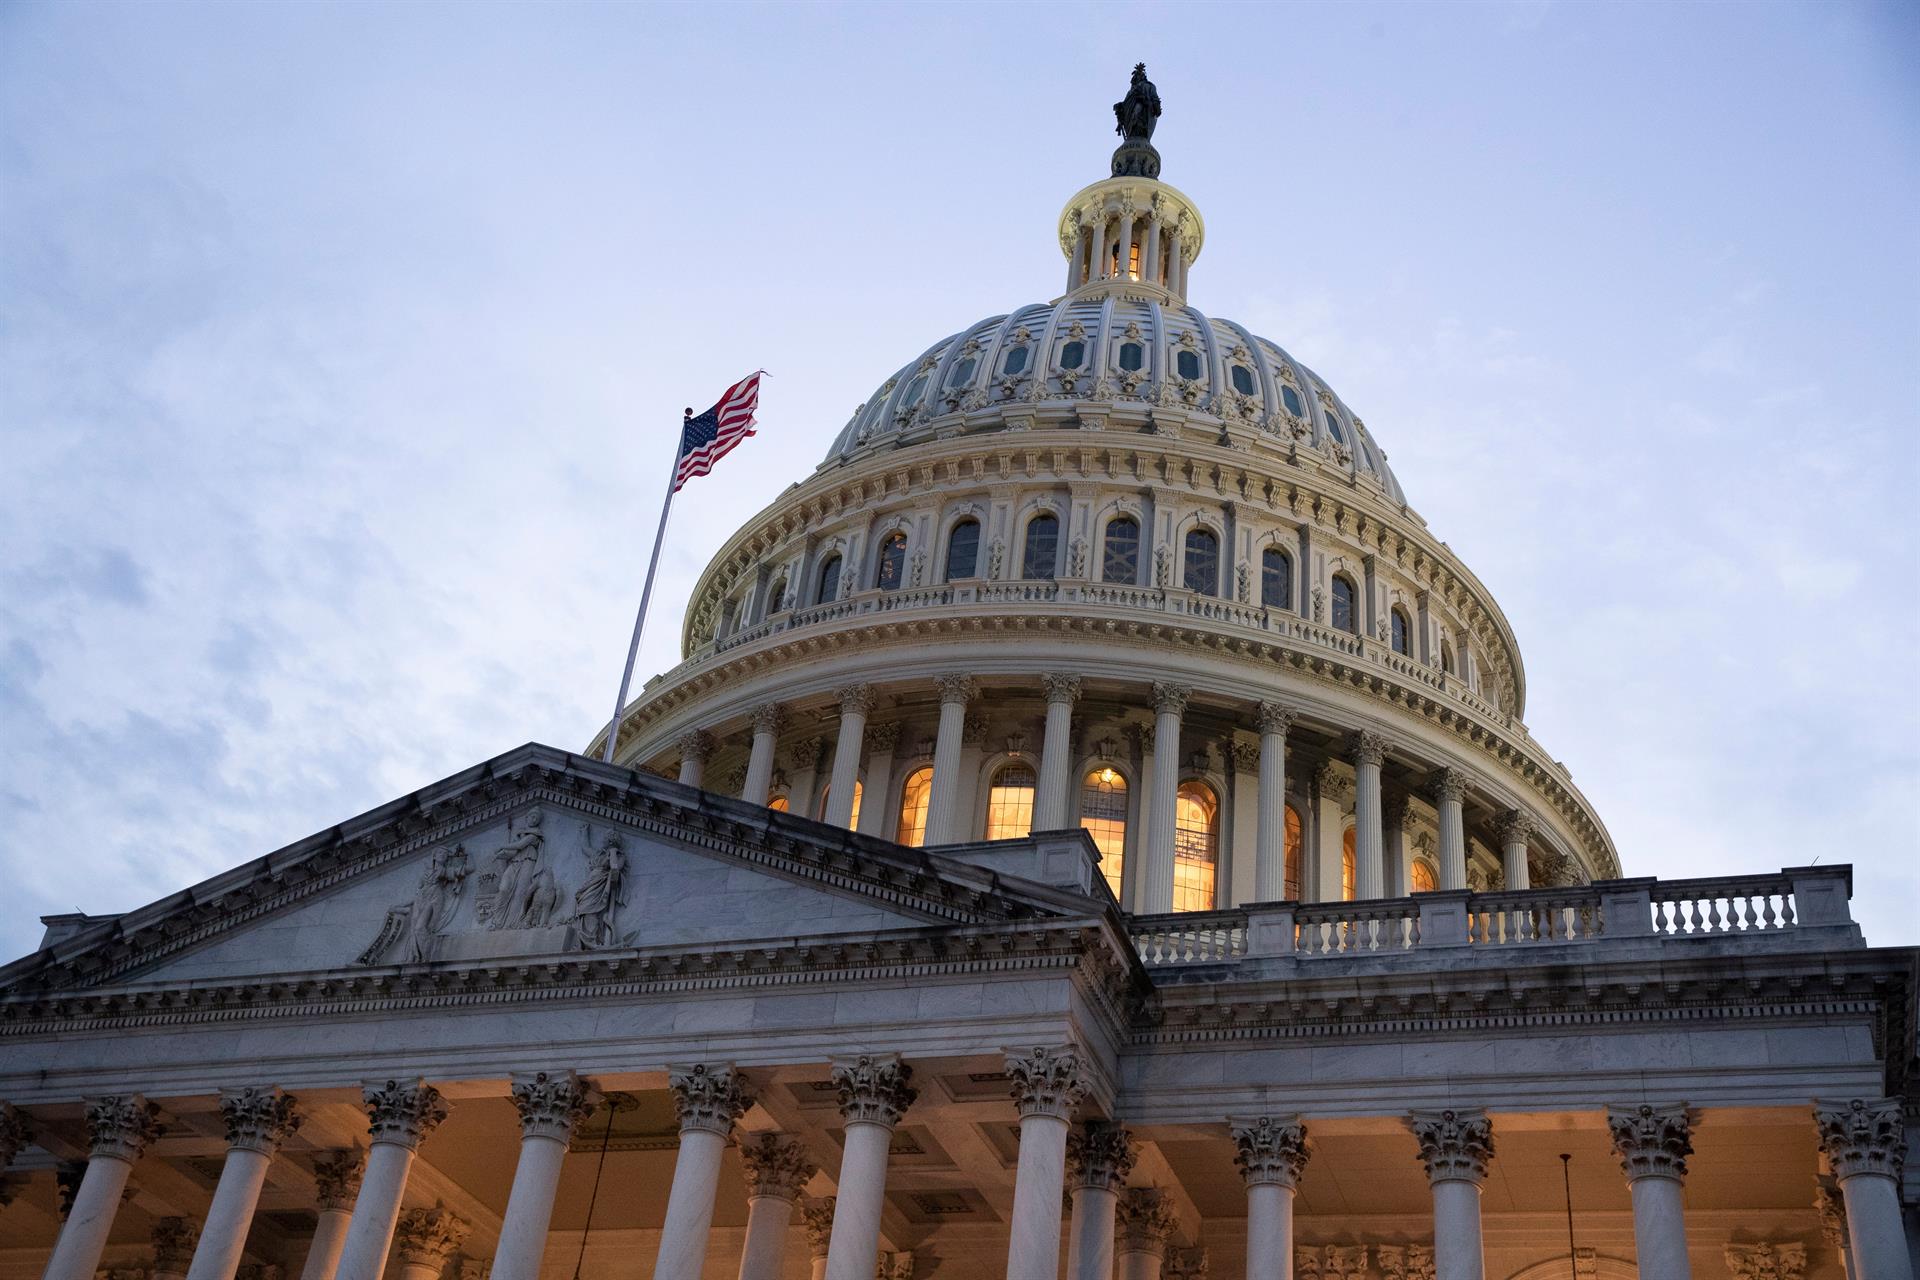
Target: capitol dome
[1107, 563]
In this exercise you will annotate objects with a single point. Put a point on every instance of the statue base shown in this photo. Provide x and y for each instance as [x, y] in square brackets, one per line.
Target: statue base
[1136, 158]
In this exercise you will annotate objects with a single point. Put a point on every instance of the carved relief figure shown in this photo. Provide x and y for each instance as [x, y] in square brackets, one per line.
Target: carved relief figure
[603, 894]
[435, 899]
[523, 893]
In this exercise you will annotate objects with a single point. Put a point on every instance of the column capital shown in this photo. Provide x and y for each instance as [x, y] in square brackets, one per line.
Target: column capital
[1832, 1208]
[1244, 755]
[552, 1104]
[1061, 688]
[1185, 1264]
[174, 1240]
[768, 717]
[1100, 1155]
[709, 1096]
[1275, 717]
[806, 753]
[336, 1177]
[1170, 698]
[403, 1112]
[1395, 810]
[874, 1088]
[15, 1133]
[1402, 1262]
[883, 737]
[1330, 783]
[1514, 826]
[817, 1218]
[1861, 1136]
[957, 687]
[857, 700]
[1145, 1220]
[1047, 1081]
[1652, 1142]
[1454, 1145]
[1766, 1260]
[258, 1119]
[1448, 784]
[122, 1125]
[1367, 747]
[695, 744]
[428, 1237]
[1270, 1149]
[776, 1165]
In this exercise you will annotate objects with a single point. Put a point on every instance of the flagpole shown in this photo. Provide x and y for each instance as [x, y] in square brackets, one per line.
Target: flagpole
[646, 594]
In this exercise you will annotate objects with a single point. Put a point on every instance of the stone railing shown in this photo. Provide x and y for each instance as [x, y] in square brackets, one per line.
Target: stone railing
[1795, 907]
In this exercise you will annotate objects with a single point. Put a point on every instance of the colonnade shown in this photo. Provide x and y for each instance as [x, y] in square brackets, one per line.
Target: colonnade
[1164, 259]
[1112, 1231]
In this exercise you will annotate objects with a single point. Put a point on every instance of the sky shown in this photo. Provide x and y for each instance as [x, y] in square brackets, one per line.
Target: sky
[342, 348]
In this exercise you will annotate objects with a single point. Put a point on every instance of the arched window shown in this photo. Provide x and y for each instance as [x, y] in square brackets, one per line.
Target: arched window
[1073, 355]
[963, 550]
[1016, 361]
[1132, 356]
[914, 796]
[1196, 846]
[1010, 802]
[1333, 425]
[961, 374]
[1243, 379]
[1291, 398]
[1346, 866]
[1187, 364]
[1446, 656]
[1276, 579]
[826, 797]
[1294, 845]
[1042, 548]
[1402, 634]
[1202, 572]
[892, 569]
[777, 596]
[779, 803]
[1424, 880]
[1343, 619]
[828, 587]
[1103, 815]
[1120, 560]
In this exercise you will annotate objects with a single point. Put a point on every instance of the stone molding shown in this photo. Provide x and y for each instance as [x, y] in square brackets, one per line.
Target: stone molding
[551, 1104]
[857, 699]
[1766, 1260]
[121, 1126]
[957, 688]
[1047, 1081]
[336, 1177]
[428, 1237]
[1170, 698]
[776, 1165]
[1145, 1220]
[1269, 1149]
[1367, 747]
[709, 1097]
[695, 744]
[874, 1088]
[174, 1240]
[1455, 1145]
[1862, 1137]
[1652, 1142]
[403, 1112]
[817, 1218]
[1061, 688]
[15, 1133]
[258, 1119]
[1100, 1156]
[1275, 717]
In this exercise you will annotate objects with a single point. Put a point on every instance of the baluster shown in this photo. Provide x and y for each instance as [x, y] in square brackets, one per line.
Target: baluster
[1714, 920]
[1694, 923]
[1772, 914]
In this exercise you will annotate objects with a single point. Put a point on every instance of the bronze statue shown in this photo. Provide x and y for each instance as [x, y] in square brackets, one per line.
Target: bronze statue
[1137, 113]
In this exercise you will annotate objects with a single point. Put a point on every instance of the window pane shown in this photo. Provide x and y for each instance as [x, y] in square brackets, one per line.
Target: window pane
[893, 562]
[1043, 536]
[1073, 355]
[1203, 562]
[1010, 803]
[1195, 848]
[1276, 579]
[1291, 399]
[1103, 815]
[1333, 425]
[829, 581]
[961, 373]
[913, 807]
[1188, 363]
[1446, 657]
[1243, 379]
[1342, 604]
[778, 804]
[1402, 641]
[1121, 559]
[1346, 866]
[915, 390]
[963, 550]
[1016, 361]
[1292, 889]
[1423, 881]
[1132, 356]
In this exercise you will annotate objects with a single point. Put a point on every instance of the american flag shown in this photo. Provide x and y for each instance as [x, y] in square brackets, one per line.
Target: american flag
[706, 439]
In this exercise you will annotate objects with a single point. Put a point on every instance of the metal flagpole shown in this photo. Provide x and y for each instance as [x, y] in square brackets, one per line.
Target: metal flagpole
[646, 593]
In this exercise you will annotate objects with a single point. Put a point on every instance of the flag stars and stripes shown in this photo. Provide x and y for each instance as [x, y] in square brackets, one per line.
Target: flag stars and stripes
[706, 439]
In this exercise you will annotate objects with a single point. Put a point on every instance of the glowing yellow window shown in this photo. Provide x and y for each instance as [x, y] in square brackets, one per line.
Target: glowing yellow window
[826, 803]
[778, 804]
[1010, 803]
[1196, 847]
[1423, 881]
[913, 807]
[1103, 815]
[1133, 262]
[1292, 890]
[1346, 867]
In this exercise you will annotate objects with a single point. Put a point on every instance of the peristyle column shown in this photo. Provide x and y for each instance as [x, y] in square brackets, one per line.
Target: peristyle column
[1449, 795]
[1514, 827]
[817, 1218]
[696, 747]
[1051, 804]
[1169, 704]
[1097, 264]
[875, 1091]
[1455, 1146]
[1866, 1144]
[768, 719]
[856, 703]
[174, 1240]
[258, 1120]
[1047, 1086]
[1146, 1222]
[709, 1097]
[1271, 1153]
[1100, 1155]
[943, 805]
[551, 1105]
[1369, 857]
[400, 1113]
[122, 1125]
[1653, 1144]
[424, 1239]
[777, 1170]
[336, 1178]
[881, 740]
[1270, 842]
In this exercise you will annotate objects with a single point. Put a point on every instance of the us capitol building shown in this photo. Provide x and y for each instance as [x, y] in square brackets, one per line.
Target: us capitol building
[1092, 832]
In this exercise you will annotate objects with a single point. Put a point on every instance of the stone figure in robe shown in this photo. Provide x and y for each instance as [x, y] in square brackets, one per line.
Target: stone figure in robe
[519, 862]
[435, 898]
[602, 895]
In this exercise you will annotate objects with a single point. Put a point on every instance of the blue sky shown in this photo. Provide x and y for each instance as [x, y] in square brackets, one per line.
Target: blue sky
[341, 348]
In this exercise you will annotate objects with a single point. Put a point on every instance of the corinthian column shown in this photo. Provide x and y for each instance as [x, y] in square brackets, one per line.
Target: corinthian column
[817, 1218]
[1100, 1155]
[1653, 1144]
[425, 1238]
[336, 1179]
[1169, 704]
[1046, 1088]
[1369, 852]
[1270, 844]
[875, 1091]
[551, 1106]
[122, 1126]
[1514, 827]
[777, 1169]
[1455, 1146]
[1865, 1143]
[943, 805]
[696, 748]
[1050, 803]
[856, 703]
[174, 1240]
[709, 1098]
[1146, 1222]
[768, 718]
[258, 1121]
[1271, 1153]
[401, 1113]
[1449, 791]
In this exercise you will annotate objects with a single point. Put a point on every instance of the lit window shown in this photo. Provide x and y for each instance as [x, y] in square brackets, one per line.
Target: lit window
[826, 800]
[1132, 356]
[914, 797]
[1120, 560]
[1043, 540]
[1292, 888]
[1103, 815]
[779, 803]
[1423, 878]
[1133, 262]
[1188, 364]
[1202, 572]
[1243, 379]
[1402, 635]
[1276, 579]
[1195, 847]
[915, 389]
[1016, 361]
[1346, 866]
[962, 373]
[1010, 803]
[1073, 355]
[828, 588]
[893, 562]
[1343, 605]
[1291, 399]
[963, 550]
[777, 598]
